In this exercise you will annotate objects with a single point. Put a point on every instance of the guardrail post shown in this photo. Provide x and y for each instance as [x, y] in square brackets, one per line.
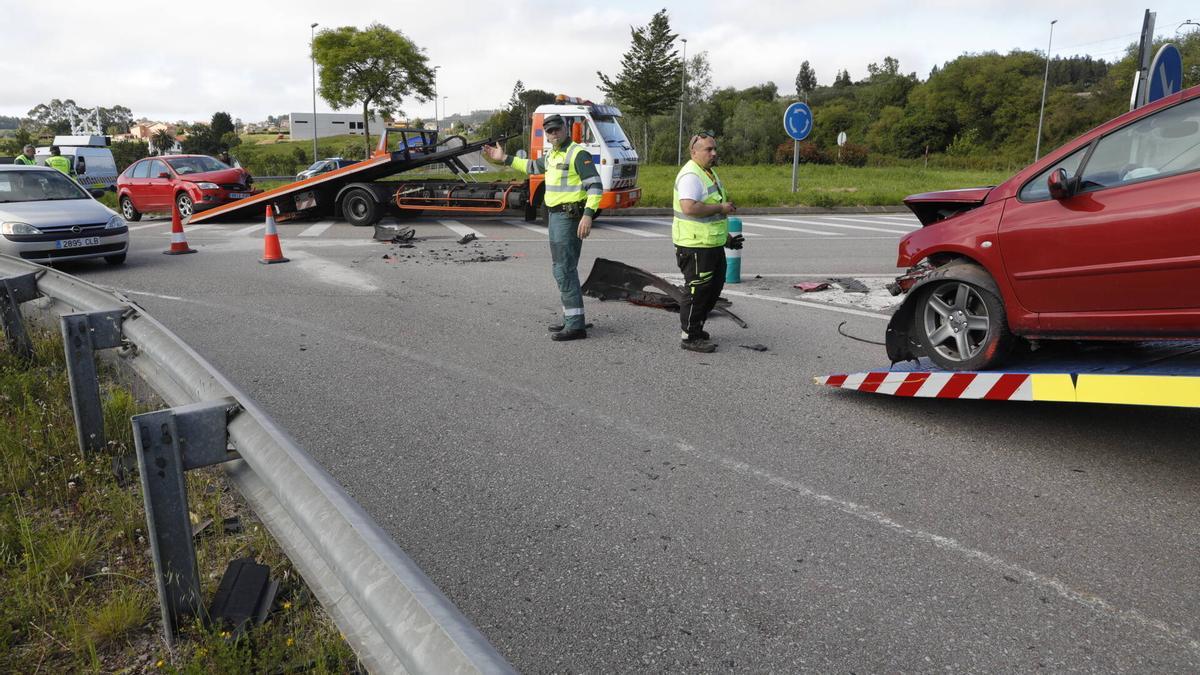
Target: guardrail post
[170, 442]
[13, 291]
[84, 333]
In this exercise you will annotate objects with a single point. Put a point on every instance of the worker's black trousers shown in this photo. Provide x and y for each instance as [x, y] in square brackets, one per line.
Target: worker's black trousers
[704, 278]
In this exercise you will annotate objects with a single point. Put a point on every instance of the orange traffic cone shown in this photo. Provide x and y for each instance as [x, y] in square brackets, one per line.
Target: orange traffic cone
[179, 243]
[271, 251]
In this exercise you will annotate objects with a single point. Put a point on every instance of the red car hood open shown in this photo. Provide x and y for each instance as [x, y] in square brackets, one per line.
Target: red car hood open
[930, 207]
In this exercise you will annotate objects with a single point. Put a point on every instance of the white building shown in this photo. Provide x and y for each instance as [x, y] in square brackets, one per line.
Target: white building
[330, 124]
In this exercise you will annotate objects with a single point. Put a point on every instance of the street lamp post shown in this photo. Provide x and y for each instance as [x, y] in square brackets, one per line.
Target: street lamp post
[1037, 150]
[311, 40]
[682, 96]
[436, 124]
[444, 111]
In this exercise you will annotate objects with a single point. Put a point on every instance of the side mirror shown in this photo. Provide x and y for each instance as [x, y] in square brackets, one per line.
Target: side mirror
[164, 174]
[1061, 187]
[80, 166]
[97, 193]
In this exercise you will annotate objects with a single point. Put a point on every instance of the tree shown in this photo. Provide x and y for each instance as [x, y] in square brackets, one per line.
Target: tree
[221, 124]
[648, 83]
[162, 140]
[376, 67]
[806, 81]
[843, 79]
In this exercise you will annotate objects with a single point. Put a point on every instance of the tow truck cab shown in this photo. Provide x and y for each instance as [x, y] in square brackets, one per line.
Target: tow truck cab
[598, 129]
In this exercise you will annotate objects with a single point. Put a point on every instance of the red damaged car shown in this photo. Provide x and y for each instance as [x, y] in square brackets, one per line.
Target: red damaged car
[191, 182]
[1099, 240]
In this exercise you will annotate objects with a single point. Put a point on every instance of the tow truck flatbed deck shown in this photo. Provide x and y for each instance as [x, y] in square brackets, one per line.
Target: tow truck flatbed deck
[1160, 373]
[379, 166]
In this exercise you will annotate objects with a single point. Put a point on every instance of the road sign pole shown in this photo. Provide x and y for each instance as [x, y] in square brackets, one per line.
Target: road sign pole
[795, 162]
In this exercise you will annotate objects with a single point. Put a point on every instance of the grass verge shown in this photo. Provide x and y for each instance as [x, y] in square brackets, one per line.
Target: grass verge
[77, 588]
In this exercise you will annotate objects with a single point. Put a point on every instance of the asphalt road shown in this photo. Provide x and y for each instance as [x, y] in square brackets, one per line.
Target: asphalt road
[618, 504]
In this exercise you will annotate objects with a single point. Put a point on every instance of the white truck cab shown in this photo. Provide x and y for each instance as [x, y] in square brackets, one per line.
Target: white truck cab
[598, 129]
[91, 161]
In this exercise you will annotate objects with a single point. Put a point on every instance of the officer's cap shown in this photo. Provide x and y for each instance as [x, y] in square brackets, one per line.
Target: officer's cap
[553, 122]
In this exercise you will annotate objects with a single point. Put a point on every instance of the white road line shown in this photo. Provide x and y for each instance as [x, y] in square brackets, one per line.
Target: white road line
[152, 295]
[317, 229]
[903, 220]
[460, 229]
[197, 228]
[823, 223]
[746, 223]
[145, 227]
[859, 220]
[526, 226]
[248, 230]
[810, 305]
[628, 230]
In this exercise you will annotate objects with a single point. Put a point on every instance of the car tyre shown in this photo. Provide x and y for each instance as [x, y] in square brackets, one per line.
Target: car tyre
[118, 259]
[360, 209]
[961, 325]
[128, 211]
[183, 202]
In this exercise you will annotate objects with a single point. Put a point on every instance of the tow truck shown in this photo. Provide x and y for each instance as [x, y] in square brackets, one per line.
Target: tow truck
[361, 195]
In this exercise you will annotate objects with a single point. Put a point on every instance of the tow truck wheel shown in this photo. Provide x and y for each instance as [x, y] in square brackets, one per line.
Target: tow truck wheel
[360, 208]
[128, 211]
[962, 326]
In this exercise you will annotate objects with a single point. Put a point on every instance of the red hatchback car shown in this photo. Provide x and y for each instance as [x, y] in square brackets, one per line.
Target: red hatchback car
[191, 182]
[1100, 240]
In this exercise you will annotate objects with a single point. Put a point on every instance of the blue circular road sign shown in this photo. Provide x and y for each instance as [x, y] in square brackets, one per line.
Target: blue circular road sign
[1166, 73]
[798, 121]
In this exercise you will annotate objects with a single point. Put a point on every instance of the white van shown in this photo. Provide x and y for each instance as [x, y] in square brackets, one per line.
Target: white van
[91, 161]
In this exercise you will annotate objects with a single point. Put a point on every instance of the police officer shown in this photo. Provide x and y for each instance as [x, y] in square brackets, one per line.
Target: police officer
[700, 231]
[57, 161]
[26, 156]
[572, 197]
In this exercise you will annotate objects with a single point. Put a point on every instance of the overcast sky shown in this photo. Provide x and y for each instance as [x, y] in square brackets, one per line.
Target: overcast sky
[171, 61]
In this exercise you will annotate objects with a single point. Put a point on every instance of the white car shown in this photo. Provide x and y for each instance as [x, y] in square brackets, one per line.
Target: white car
[47, 217]
[477, 169]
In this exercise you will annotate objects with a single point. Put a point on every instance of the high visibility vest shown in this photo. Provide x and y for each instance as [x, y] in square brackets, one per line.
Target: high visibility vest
[23, 160]
[563, 184]
[59, 162]
[700, 232]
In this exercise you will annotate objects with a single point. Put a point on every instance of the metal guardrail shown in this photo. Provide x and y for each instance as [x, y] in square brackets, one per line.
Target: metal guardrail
[392, 615]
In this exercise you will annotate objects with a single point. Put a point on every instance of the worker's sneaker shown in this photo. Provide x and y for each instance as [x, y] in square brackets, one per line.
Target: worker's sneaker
[557, 327]
[573, 334]
[698, 345]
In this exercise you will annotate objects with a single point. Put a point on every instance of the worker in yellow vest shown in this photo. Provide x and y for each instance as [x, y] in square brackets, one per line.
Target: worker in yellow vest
[700, 231]
[57, 161]
[572, 197]
[26, 156]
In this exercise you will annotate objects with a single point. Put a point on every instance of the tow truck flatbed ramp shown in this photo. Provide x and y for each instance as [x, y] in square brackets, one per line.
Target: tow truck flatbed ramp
[1162, 373]
[372, 169]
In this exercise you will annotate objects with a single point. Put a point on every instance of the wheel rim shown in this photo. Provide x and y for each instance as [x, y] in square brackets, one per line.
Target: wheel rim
[956, 320]
[127, 208]
[358, 207]
[185, 206]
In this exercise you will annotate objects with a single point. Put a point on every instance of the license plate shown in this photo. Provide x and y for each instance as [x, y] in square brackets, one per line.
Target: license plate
[77, 243]
[238, 195]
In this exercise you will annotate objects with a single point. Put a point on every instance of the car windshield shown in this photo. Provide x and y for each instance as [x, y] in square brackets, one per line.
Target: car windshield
[610, 130]
[38, 186]
[316, 165]
[186, 165]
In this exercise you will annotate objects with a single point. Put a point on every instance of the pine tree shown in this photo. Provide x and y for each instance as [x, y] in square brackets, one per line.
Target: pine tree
[806, 81]
[648, 83]
[843, 79]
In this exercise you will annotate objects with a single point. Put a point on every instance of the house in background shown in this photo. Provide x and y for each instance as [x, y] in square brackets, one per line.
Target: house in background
[330, 124]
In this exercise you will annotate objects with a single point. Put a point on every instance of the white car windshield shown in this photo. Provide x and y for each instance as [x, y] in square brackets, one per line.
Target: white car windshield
[185, 165]
[38, 186]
